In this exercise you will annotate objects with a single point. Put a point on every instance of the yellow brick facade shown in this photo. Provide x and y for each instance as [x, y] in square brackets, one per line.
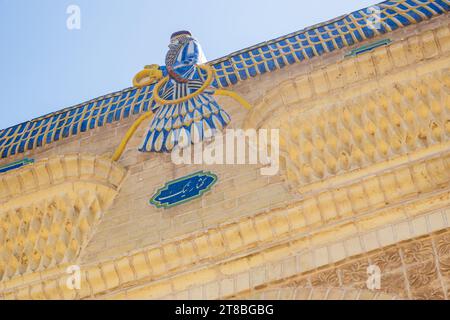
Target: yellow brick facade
[364, 179]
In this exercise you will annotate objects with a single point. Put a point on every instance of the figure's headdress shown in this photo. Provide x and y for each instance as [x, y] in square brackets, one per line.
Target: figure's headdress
[180, 33]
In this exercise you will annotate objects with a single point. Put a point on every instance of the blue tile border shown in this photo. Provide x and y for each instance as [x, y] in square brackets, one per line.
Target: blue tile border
[16, 165]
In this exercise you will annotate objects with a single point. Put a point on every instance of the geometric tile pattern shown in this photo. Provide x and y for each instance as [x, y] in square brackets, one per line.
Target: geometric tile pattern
[266, 57]
[324, 38]
[46, 234]
[379, 126]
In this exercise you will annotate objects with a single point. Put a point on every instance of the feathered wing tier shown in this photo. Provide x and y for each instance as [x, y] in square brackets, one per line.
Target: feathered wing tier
[183, 123]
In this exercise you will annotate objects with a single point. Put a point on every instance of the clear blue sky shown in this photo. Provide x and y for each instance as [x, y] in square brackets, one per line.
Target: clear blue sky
[45, 67]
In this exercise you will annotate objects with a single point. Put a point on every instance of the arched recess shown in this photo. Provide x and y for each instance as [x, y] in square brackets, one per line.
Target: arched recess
[48, 211]
[336, 137]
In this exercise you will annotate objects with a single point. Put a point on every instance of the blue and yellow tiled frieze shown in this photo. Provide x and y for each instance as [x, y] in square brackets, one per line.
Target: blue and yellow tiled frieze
[266, 57]
[327, 37]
